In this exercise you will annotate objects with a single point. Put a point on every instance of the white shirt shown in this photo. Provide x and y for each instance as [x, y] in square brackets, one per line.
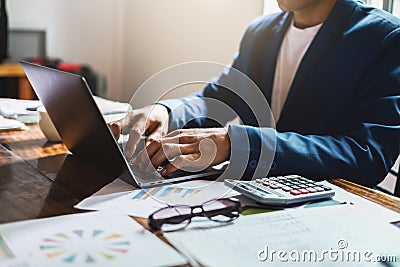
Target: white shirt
[292, 50]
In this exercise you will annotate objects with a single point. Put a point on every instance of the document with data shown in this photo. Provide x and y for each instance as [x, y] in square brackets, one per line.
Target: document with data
[329, 236]
[98, 239]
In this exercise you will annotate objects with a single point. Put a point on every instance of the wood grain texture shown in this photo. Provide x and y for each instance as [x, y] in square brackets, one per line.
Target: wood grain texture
[33, 168]
[383, 199]
[14, 70]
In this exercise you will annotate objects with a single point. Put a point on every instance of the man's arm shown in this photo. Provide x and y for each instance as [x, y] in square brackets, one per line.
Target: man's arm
[367, 148]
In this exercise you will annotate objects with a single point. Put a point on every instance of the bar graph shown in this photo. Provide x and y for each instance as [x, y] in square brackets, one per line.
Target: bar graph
[5, 251]
[166, 191]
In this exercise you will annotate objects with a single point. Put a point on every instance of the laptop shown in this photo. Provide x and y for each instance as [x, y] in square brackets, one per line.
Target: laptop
[77, 118]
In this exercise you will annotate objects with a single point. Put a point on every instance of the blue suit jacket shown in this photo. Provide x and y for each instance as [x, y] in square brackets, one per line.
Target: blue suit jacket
[342, 114]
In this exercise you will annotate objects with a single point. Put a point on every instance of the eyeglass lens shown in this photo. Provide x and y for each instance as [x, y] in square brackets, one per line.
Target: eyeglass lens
[221, 210]
[178, 217]
[173, 218]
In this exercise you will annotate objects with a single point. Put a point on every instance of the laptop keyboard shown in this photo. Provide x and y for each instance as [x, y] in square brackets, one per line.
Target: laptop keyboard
[144, 175]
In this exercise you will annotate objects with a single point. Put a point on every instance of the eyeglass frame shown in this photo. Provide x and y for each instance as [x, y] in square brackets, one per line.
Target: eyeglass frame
[156, 224]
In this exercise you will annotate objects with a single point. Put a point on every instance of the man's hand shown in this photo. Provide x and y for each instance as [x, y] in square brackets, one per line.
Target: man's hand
[189, 149]
[152, 120]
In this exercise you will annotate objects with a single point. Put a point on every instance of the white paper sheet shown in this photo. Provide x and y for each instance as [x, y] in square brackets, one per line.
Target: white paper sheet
[250, 240]
[363, 204]
[10, 124]
[142, 203]
[18, 109]
[13, 107]
[111, 107]
[91, 239]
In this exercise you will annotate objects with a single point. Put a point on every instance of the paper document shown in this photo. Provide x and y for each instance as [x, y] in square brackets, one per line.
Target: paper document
[90, 239]
[10, 124]
[143, 202]
[330, 236]
[111, 107]
[21, 110]
[25, 110]
[361, 203]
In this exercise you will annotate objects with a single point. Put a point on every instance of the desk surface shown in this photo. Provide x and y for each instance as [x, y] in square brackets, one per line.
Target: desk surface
[11, 70]
[15, 70]
[40, 179]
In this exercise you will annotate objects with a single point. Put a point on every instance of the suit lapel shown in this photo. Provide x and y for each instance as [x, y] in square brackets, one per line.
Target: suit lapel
[323, 42]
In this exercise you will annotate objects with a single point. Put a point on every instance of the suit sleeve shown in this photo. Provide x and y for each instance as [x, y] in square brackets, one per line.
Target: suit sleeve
[364, 153]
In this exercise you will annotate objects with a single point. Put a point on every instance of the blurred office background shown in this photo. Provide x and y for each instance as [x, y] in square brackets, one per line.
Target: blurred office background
[130, 40]
[127, 41]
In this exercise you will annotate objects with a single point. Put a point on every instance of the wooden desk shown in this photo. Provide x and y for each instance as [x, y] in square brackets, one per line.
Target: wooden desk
[13, 70]
[39, 179]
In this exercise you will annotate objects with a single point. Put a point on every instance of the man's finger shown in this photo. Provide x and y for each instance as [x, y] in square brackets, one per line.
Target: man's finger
[154, 134]
[129, 121]
[170, 151]
[144, 156]
[180, 162]
[116, 129]
[135, 135]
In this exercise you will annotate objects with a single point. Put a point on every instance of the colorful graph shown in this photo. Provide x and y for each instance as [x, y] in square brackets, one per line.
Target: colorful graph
[5, 251]
[166, 191]
[103, 246]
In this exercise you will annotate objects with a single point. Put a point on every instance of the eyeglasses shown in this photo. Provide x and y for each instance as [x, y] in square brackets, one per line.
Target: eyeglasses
[175, 218]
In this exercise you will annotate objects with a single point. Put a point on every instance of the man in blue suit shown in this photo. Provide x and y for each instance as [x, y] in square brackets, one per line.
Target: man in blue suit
[329, 69]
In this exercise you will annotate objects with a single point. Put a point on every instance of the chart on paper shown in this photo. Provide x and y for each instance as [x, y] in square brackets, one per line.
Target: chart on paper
[143, 202]
[5, 251]
[106, 246]
[166, 192]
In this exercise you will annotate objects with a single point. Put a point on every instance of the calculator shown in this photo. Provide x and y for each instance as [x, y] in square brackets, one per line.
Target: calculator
[282, 190]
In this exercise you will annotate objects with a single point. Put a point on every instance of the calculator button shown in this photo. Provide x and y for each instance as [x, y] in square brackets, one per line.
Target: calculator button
[266, 183]
[312, 190]
[303, 191]
[295, 192]
[326, 188]
[259, 181]
[319, 189]
[286, 188]
[274, 186]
